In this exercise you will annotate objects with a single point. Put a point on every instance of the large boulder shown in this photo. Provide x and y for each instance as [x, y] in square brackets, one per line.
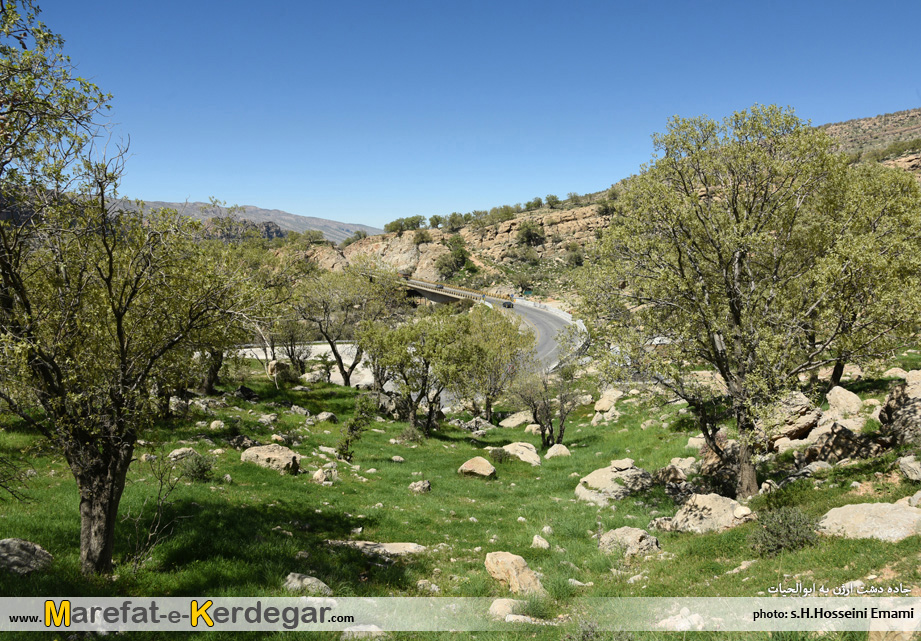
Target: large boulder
[19, 556]
[843, 402]
[523, 452]
[629, 541]
[895, 372]
[707, 513]
[620, 479]
[518, 419]
[607, 400]
[794, 417]
[901, 415]
[910, 467]
[389, 550]
[512, 570]
[477, 466]
[837, 444]
[883, 521]
[274, 456]
[557, 450]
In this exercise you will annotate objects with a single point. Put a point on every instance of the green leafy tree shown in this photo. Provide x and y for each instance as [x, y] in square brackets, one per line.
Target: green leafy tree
[334, 304]
[436, 221]
[490, 358]
[750, 249]
[552, 201]
[455, 222]
[530, 233]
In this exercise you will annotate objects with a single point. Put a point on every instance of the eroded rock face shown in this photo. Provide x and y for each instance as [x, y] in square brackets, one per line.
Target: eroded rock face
[901, 415]
[19, 556]
[512, 570]
[620, 479]
[274, 457]
[707, 513]
[883, 521]
[477, 466]
[629, 541]
[839, 443]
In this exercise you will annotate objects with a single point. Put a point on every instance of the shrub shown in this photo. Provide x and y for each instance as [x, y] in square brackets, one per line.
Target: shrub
[411, 434]
[786, 528]
[499, 455]
[197, 468]
[421, 236]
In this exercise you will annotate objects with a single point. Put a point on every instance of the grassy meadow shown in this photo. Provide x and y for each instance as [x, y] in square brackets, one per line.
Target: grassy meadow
[243, 537]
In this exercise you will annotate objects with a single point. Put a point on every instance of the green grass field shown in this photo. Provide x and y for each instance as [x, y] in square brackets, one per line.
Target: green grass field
[242, 538]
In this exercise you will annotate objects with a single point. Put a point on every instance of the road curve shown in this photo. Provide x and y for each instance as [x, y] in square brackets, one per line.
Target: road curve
[544, 323]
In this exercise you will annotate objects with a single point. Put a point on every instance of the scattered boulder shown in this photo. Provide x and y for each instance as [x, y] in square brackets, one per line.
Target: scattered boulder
[267, 419]
[216, 425]
[912, 500]
[517, 419]
[19, 556]
[620, 479]
[309, 584]
[913, 377]
[512, 570]
[397, 459]
[246, 394]
[420, 487]
[794, 417]
[837, 444]
[895, 372]
[707, 513]
[533, 428]
[901, 415]
[629, 541]
[178, 406]
[540, 543]
[278, 368]
[557, 450]
[523, 452]
[242, 441]
[477, 466]
[884, 521]
[696, 442]
[362, 631]
[670, 474]
[843, 402]
[372, 548]
[274, 457]
[686, 464]
[607, 400]
[501, 608]
[181, 453]
[329, 417]
[325, 475]
[910, 467]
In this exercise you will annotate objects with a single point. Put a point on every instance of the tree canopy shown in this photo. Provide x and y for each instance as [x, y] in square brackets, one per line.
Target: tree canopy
[749, 248]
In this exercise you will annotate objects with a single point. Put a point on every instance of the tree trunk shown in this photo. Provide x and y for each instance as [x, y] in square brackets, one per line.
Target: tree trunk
[215, 361]
[487, 406]
[837, 373]
[101, 479]
[747, 482]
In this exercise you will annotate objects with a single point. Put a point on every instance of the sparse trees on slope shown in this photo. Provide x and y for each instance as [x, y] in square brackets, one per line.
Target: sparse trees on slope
[749, 248]
[336, 303]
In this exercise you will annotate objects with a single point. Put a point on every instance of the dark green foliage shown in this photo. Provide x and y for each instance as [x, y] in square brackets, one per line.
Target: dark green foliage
[530, 233]
[499, 455]
[411, 434]
[197, 468]
[537, 203]
[358, 235]
[783, 529]
[449, 264]
[421, 236]
[552, 201]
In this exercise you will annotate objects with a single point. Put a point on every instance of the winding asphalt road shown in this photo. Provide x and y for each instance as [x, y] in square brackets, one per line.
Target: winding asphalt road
[544, 323]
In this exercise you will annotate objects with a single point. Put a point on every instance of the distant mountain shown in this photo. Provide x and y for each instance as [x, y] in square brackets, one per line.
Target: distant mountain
[333, 230]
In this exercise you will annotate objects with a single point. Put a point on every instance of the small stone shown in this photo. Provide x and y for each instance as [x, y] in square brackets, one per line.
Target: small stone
[540, 543]
[420, 487]
[397, 459]
[303, 583]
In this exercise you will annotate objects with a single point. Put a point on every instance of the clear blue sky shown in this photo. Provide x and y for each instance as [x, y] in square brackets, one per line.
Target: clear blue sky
[367, 111]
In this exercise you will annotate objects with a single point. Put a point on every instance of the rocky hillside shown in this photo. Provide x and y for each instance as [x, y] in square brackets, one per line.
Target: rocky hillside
[867, 134]
[491, 247]
[333, 230]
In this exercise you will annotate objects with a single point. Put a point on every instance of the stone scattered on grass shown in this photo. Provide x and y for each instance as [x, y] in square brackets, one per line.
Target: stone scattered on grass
[477, 466]
[309, 584]
[274, 457]
[629, 541]
[512, 571]
[19, 556]
[420, 487]
[883, 521]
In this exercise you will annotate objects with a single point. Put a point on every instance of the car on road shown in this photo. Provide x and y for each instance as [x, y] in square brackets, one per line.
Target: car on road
[439, 286]
[508, 303]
